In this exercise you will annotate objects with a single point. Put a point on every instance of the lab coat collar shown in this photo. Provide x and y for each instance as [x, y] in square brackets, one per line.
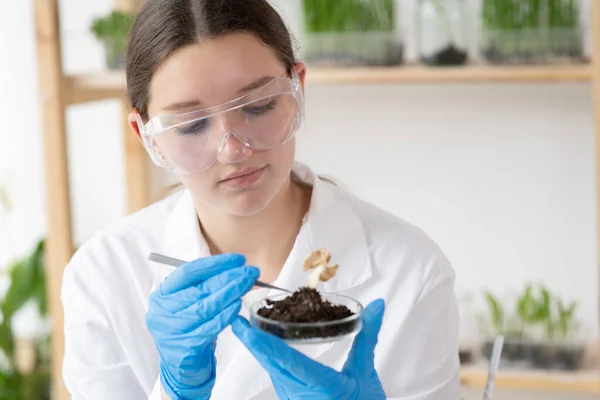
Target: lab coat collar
[330, 224]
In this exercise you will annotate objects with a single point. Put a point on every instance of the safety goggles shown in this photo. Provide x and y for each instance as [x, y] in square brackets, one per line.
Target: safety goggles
[260, 120]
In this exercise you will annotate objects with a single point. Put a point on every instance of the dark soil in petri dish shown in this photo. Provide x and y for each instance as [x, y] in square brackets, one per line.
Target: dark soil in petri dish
[306, 306]
[448, 56]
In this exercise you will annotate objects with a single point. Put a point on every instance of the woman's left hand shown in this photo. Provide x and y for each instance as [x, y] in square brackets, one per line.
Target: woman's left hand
[296, 376]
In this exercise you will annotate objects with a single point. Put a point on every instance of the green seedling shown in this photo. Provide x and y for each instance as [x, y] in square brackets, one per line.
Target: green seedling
[349, 16]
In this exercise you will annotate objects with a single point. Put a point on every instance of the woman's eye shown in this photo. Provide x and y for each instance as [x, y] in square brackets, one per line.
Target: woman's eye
[260, 110]
[192, 128]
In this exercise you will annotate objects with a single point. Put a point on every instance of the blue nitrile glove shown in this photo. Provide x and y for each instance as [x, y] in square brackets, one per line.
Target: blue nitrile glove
[296, 376]
[187, 312]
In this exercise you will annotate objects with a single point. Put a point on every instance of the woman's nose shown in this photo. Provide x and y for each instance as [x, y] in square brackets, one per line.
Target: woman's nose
[233, 149]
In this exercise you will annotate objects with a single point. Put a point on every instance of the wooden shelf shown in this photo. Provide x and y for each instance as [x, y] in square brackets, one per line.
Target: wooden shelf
[581, 381]
[109, 84]
[94, 87]
[468, 74]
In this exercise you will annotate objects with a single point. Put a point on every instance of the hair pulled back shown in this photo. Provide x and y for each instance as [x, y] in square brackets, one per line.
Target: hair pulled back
[165, 26]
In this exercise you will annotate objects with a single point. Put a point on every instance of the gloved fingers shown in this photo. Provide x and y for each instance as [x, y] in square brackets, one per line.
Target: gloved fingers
[362, 353]
[216, 282]
[174, 346]
[163, 322]
[233, 291]
[193, 295]
[208, 331]
[195, 314]
[278, 358]
[195, 272]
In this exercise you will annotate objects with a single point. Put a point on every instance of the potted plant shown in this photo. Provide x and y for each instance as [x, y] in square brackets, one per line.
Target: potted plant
[25, 349]
[113, 30]
[539, 334]
[351, 32]
[531, 31]
[558, 348]
[501, 322]
[443, 32]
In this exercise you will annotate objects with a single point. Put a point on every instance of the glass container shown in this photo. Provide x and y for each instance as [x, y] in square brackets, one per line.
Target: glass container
[443, 32]
[317, 332]
[351, 32]
[531, 32]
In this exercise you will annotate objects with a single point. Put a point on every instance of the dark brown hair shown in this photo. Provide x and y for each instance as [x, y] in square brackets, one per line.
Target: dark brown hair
[164, 26]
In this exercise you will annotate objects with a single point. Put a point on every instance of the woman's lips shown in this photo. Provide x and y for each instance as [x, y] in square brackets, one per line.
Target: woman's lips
[243, 178]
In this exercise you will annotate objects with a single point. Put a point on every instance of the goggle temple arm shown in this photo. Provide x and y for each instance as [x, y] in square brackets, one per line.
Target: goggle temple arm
[148, 140]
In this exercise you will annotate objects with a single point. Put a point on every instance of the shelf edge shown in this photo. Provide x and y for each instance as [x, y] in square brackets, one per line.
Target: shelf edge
[111, 84]
[534, 381]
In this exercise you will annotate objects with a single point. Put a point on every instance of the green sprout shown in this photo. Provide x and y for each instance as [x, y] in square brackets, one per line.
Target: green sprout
[349, 15]
[529, 14]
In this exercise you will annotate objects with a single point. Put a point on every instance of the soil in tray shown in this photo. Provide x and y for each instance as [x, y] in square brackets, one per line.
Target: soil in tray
[513, 351]
[392, 57]
[548, 356]
[450, 55]
[305, 306]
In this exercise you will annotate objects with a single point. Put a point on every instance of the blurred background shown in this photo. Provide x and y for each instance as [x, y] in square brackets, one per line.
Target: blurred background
[472, 119]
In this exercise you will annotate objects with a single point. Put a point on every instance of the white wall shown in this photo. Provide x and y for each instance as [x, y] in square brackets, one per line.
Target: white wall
[501, 176]
[21, 149]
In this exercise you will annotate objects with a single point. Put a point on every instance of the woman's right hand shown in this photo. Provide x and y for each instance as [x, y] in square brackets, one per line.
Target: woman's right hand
[187, 312]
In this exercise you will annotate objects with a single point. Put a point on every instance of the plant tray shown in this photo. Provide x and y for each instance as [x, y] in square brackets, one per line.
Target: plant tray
[353, 49]
[566, 356]
[532, 46]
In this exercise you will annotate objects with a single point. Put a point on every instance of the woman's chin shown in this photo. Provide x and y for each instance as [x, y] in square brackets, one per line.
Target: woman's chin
[243, 202]
[246, 204]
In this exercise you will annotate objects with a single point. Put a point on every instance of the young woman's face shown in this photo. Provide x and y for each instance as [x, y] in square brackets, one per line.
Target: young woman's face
[242, 181]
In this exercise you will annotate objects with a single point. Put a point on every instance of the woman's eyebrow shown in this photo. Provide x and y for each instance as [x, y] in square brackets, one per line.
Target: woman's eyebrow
[181, 105]
[256, 84]
[195, 103]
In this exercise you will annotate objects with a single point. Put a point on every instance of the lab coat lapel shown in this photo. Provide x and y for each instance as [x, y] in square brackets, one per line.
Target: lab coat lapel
[330, 224]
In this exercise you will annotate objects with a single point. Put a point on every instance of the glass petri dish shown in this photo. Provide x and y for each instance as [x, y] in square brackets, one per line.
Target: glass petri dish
[310, 332]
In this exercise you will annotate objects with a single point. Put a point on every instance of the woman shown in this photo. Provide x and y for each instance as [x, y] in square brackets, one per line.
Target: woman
[218, 97]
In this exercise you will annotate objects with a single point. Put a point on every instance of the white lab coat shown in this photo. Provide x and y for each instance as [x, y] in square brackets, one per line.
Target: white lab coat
[109, 354]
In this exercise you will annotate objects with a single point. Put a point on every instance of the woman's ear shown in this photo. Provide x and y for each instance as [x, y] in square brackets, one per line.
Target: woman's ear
[133, 119]
[301, 72]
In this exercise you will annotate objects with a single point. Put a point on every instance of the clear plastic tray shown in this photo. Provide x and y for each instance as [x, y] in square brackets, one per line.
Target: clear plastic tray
[320, 332]
[353, 48]
[532, 46]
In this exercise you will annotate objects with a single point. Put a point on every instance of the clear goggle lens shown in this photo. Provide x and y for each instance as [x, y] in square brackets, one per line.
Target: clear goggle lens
[263, 119]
